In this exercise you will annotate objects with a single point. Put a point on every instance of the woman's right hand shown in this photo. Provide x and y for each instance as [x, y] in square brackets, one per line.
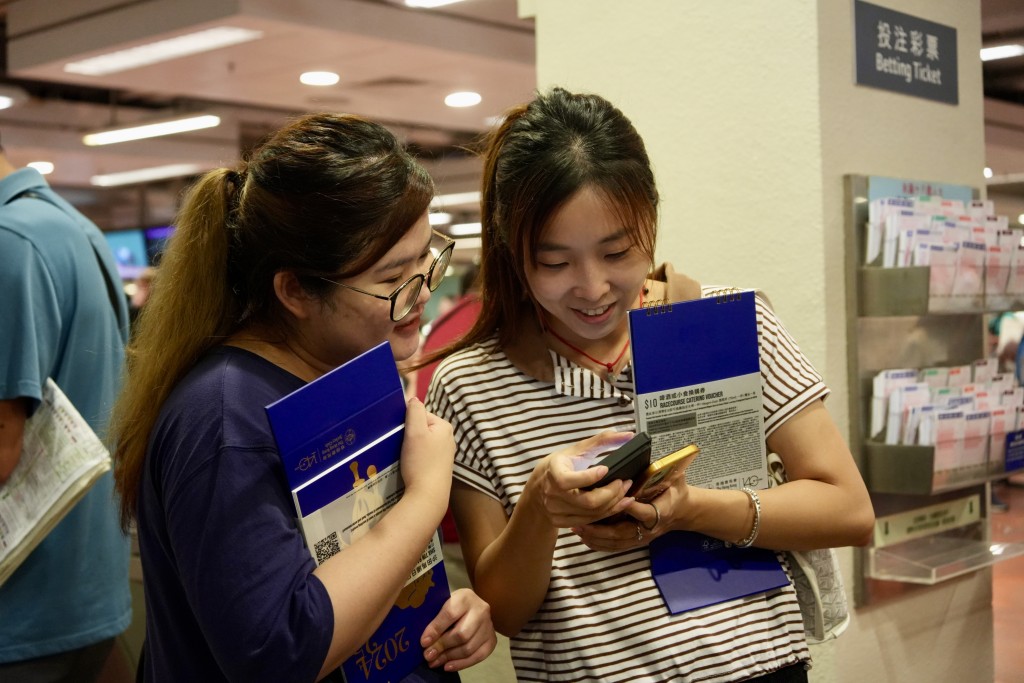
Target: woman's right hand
[556, 485]
[428, 454]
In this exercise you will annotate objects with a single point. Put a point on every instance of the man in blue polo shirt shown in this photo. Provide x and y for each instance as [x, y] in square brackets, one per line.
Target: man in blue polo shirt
[63, 318]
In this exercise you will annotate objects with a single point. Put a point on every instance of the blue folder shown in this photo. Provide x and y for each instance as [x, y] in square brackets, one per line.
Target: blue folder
[693, 571]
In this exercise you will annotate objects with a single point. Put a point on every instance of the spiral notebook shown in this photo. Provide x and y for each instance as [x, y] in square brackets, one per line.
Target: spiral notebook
[340, 439]
[697, 372]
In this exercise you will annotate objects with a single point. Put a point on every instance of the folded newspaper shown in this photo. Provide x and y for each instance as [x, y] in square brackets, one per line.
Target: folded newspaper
[61, 458]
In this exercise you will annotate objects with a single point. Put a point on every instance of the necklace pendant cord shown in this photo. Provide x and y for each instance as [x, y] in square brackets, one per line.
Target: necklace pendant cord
[610, 366]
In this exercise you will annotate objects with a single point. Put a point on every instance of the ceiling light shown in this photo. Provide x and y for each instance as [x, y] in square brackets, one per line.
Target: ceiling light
[1001, 52]
[44, 167]
[987, 172]
[470, 244]
[320, 78]
[143, 175]
[1020, 219]
[462, 99]
[152, 130]
[428, 4]
[11, 95]
[455, 199]
[464, 229]
[439, 218]
[162, 51]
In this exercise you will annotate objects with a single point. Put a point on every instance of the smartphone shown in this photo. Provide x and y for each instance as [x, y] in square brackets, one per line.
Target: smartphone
[627, 461]
[660, 474]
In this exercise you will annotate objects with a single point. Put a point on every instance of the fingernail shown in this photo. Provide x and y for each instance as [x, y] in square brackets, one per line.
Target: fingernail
[430, 654]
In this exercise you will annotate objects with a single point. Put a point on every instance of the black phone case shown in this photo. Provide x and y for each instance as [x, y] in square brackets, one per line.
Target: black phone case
[627, 461]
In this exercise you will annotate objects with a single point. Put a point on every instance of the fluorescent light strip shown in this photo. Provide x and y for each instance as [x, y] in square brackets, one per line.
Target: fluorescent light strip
[162, 51]
[429, 4]
[455, 199]
[44, 167]
[319, 78]
[152, 130]
[471, 244]
[143, 175]
[1001, 52]
[464, 229]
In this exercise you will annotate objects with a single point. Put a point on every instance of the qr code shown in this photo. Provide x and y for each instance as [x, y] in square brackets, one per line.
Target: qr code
[326, 548]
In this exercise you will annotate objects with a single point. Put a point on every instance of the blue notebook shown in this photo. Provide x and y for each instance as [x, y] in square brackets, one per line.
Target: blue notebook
[697, 372]
[340, 439]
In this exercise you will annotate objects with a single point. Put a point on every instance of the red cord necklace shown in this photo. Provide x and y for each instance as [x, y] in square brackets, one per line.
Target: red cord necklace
[578, 350]
[610, 366]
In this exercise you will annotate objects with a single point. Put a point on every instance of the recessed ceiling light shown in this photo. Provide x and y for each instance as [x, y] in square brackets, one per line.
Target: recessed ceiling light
[429, 3]
[152, 130]
[462, 99]
[1001, 52]
[44, 167]
[162, 50]
[439, 218]
[143, 175]
[319, 78]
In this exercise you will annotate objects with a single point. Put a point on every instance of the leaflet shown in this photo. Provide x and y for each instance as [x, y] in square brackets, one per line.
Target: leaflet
[61, 458]
[340, 438]
[698, 380]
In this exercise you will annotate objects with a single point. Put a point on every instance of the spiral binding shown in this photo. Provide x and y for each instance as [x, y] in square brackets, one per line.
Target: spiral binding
[725, 295]
[722, 295]
[656, 307]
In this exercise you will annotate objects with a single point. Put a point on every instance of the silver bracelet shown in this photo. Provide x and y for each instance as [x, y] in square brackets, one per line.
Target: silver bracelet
[755, 502]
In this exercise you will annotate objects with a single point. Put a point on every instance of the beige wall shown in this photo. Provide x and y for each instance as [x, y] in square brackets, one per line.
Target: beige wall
[752, 119]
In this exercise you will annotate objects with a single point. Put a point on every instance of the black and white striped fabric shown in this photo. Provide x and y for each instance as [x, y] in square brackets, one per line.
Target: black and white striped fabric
[603, 618]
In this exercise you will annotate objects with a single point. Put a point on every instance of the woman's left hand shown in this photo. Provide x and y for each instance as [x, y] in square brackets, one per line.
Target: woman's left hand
[461, 634]
[641, 522]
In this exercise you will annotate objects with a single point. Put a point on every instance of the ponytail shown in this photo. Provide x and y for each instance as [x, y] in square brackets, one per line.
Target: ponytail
[327, 193]
[177, 325]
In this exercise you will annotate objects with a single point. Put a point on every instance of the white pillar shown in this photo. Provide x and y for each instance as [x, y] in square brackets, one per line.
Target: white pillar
[752, 118]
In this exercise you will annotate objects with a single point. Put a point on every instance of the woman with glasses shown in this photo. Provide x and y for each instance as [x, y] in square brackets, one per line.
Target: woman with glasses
[310, 253]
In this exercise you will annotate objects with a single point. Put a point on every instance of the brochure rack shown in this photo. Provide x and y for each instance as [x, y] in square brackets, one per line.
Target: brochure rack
[931, 525]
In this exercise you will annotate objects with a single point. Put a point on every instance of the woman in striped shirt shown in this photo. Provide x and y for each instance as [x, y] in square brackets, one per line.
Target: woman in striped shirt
[569, 213]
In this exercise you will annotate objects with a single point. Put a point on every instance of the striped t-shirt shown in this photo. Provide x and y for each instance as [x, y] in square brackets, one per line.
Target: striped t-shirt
[603, 618]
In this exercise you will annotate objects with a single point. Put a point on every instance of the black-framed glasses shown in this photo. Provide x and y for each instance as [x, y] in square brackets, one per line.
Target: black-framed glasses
[403, 299]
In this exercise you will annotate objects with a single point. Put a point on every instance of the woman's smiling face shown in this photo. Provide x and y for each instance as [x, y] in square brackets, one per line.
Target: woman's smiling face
[587, 273]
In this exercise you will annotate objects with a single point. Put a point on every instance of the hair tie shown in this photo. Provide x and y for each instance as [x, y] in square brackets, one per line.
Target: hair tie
[235, 181]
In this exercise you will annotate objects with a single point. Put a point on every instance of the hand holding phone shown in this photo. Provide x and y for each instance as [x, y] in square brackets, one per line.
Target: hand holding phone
[661, 473]
[627, 461]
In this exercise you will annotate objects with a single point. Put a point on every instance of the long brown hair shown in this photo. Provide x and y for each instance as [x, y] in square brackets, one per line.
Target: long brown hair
[542, 154]
[326, 194]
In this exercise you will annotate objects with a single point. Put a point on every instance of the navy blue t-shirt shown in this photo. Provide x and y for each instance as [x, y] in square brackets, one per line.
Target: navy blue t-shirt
[230, 591]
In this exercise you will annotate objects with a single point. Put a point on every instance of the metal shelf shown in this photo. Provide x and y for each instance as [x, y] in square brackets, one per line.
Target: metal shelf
[938, 558]
[911, 470]
[883, 292]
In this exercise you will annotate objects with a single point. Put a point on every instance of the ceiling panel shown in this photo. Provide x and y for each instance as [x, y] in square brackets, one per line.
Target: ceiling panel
[396, 64]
